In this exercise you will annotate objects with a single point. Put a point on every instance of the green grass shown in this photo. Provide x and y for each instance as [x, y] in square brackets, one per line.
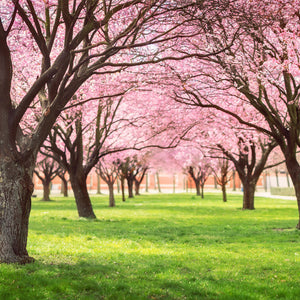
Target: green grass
[160, 247]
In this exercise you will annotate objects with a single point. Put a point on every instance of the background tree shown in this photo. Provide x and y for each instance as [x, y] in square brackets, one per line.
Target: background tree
[199, 173]
[222, 172]
[142, 166]
[259, 72]
[78, 142]
[126, 167]
[107, 169]
[64, 181]
[46, 170]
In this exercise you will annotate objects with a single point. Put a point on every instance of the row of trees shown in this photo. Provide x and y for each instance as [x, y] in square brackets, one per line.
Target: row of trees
[81, 80]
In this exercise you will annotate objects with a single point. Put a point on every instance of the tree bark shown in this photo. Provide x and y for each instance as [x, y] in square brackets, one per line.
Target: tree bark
[130, 187]
[122, 179]
[16, 188]
[198, 190]
[137, 185]
[46, 190]
[248, 194]
[293, 168]
[82, 198]
[112, 202]
[224, 192]
[64, 185]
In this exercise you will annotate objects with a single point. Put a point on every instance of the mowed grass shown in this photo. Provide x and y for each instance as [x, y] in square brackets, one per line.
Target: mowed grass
[160, 247]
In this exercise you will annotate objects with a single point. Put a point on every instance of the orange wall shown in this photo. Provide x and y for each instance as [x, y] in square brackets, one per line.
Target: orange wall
[166, 181]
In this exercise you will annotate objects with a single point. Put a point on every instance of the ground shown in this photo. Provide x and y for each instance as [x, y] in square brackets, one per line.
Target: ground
[160, 247]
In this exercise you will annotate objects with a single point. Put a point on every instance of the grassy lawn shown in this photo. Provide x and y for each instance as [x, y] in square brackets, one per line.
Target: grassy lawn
[160, 247]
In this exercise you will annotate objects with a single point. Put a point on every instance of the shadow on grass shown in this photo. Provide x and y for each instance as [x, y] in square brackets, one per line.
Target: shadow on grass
[204, 250]
[150, 277]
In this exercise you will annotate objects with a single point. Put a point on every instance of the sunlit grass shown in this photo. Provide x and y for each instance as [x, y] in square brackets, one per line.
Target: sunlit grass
[160, 247]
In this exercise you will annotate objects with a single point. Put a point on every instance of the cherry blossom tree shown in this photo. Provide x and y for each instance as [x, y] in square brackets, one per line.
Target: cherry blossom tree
[77, 142]
[46, 170]
[222, 175]
[107, 169]
[126, 167]
[193, 163]
[249, 162]
[57, 46]
[139, 175]
[199, 173]
[259, 73]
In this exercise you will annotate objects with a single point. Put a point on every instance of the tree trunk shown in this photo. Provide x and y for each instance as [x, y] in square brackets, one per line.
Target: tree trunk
[82, 198]
[297, 192]
[248, 194]
[130, 187]
[202, 191]
[112, 202]
[224, 193]
[46, 190]
[64, 185]
[294, 171]
[137, 187]
[198, 190]
[122, 179]
[16, 188]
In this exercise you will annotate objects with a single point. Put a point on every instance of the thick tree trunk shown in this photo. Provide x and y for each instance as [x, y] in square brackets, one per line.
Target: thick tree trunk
[64, 187]
[297, 192]
[16, 188]
[224, 192]
[130, 187]
[137, 187]
[112, 202]
[294, 172]
[198, 189]
[82, 198]
[248, 194]
[46, 190]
